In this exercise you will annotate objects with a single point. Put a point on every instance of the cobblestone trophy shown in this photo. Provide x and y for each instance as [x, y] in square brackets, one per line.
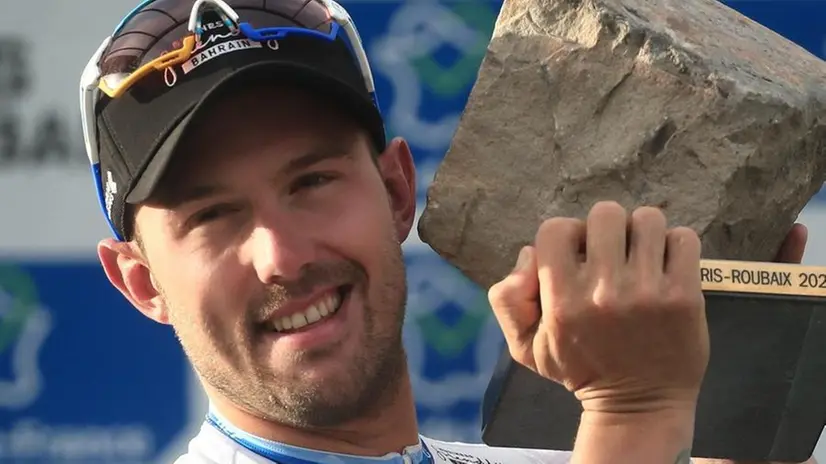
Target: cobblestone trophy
[682, 104]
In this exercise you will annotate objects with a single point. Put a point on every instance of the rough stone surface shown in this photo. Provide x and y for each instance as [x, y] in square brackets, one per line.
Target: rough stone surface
[683, 104]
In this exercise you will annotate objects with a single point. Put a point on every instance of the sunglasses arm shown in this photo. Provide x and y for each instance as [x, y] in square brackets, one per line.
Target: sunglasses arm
[341, 16]
[198, 6]
[89, 80]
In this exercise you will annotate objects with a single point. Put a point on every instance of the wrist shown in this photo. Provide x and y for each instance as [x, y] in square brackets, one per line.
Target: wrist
[639, 402]
[641, 437]
[675, 418]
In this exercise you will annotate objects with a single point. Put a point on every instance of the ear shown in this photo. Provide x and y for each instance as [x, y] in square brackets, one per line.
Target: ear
[128, 271]
[399, 174]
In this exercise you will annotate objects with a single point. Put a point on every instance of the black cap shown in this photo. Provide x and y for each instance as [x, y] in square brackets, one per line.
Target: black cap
[140, 130]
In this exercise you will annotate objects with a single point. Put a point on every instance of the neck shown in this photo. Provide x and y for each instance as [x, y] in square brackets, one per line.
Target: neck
[387, 430]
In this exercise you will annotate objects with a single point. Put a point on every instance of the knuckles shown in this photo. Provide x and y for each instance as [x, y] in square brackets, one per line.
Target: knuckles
[647, 295]
[497, 293]
[606, 297]
[678, 297]
[630, 296]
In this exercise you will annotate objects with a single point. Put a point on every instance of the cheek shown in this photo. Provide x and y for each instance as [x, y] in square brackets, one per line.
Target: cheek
[207, 309]
[368, 236]
[359, 225]
[200, 290]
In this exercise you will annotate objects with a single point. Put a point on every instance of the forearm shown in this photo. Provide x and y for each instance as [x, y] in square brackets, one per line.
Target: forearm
[662, 437]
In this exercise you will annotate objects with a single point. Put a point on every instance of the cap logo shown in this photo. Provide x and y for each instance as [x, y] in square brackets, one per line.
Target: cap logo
[203, 55]
[216, 39]
[110, 190]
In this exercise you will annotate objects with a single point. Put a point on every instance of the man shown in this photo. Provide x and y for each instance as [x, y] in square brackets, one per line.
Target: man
[257, 208]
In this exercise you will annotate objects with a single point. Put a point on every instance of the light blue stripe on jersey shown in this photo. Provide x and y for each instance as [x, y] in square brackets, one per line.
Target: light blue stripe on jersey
[281, 453]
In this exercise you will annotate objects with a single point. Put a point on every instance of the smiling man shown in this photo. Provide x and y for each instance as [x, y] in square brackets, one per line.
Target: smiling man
[287, 258]
[256, 207]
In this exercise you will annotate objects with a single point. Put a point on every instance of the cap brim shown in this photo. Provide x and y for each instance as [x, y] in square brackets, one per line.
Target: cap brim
[277, 72]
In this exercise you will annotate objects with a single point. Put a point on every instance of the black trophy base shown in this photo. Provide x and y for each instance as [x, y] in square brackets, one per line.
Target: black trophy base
[763, 397]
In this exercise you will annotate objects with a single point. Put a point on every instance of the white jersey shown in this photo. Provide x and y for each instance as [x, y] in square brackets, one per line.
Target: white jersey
[213, 445]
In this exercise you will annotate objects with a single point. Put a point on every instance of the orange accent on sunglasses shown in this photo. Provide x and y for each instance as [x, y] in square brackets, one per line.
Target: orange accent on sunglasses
[160, 63]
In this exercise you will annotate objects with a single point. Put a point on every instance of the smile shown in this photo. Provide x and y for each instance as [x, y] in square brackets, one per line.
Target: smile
[318, 311]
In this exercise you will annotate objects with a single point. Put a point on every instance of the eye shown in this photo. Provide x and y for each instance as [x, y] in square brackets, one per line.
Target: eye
[212, 213]
[313, 180]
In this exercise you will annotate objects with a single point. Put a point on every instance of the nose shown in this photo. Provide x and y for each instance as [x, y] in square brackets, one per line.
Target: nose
[280, 249]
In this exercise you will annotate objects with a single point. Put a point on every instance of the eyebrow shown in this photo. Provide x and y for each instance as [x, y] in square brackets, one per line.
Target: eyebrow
[303, 162]
[176, 198]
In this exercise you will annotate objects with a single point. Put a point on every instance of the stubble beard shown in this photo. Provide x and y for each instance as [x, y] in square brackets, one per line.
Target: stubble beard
[372, 381]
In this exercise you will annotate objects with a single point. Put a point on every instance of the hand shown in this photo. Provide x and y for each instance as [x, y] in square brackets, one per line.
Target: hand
[611, 308]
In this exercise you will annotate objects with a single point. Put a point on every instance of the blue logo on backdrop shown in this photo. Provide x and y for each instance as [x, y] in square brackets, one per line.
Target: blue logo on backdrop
[83, 376]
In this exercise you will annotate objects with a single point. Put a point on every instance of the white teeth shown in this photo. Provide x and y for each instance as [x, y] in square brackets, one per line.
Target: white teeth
[299, 321]
[314, 313]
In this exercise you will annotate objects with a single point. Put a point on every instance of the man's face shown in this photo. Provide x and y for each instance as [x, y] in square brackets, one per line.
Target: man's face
[274, 247]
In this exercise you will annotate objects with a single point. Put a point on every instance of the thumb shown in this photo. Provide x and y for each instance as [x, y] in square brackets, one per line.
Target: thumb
[515, 301]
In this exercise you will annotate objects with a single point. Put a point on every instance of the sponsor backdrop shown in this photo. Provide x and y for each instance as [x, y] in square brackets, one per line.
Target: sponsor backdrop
[83, 377]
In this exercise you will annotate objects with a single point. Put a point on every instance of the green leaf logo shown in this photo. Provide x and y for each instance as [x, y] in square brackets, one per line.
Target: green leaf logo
[18, 300]
[449, 340]
[449, 80]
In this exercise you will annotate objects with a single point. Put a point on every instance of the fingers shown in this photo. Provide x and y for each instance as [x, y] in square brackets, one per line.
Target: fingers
[558, 244]
[514, 300]
[636, 251]
[606, 243]
[682, 264]
[793, 247]
[647, 243]
[619, 251]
